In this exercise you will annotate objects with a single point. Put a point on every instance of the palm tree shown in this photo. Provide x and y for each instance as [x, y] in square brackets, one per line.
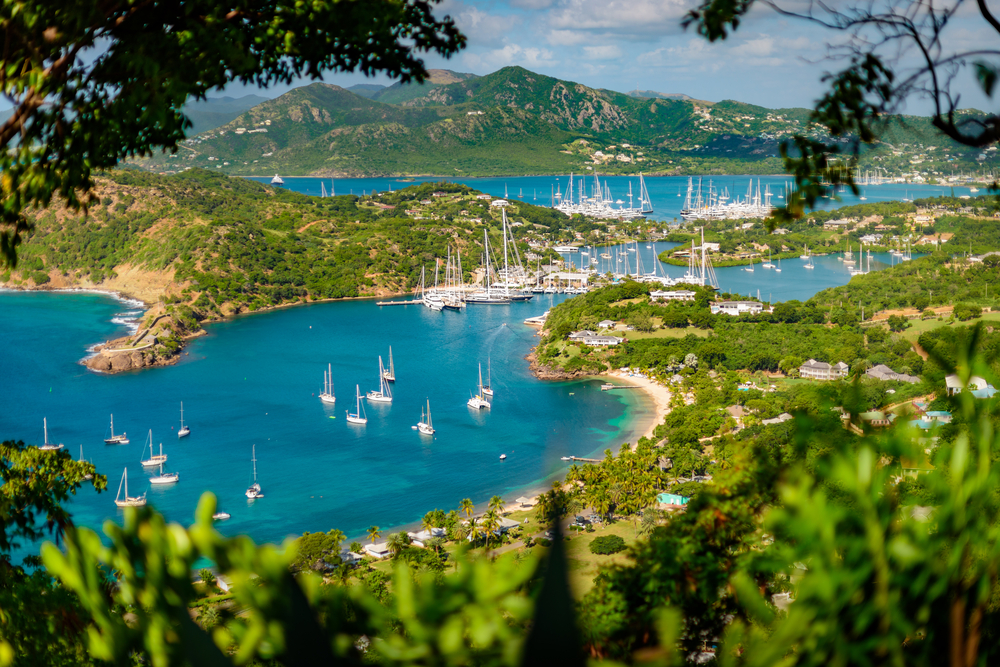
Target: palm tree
[374, 532]
[491, 522]
[466, 507]
[397, 542]
[496, 503]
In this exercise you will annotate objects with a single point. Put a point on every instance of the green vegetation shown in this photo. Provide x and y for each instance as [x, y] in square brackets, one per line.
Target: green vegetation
[607, 544]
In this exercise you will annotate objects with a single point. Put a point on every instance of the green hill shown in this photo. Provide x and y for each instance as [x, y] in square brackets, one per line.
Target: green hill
[514, 121]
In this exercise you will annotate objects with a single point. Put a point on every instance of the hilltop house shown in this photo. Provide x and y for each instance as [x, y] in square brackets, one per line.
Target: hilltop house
[884, 373]
[820, 370]
[737, 308]
[672, 295]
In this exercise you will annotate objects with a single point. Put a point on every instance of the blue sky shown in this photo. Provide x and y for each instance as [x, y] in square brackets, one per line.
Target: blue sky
[623, 44]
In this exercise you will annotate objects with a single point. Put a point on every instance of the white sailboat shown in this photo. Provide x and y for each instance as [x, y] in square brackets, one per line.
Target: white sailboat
[478, 401]
[425, 425]
[768, 264]
[88, 476]
[383, 394]
[48, 446]
[165, 477]
[128, 501]
[154, 459]
[778, 268]
[184, 430]
[327, 394]
[359, 416]
[277, 180]
[750, 268]
[390, 373]
[254, 490]
[805, 255]
[809, 264]
[488, 387]
[120, 439]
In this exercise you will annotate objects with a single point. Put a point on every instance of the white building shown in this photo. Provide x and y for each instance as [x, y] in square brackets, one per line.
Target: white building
[672, 295]
[737, 308]
[820, 370]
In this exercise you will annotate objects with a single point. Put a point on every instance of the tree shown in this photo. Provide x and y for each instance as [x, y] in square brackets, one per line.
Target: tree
[207, 577]
[466, 507]
[397, 542]
[374, 532]
[95, 84]
[898, 323]
[312, 549]
[497, 504]
[879, 77]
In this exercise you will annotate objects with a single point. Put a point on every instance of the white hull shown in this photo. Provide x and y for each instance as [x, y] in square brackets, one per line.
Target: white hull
[478, 403]
[183, 432]
[354, 419]
[378, 397]
[425, 429]
[255, 491]
[155, 461]
[131, 502]
[221, 516]
[328, 398]
[50, 448]
[116, 440]
[169, 478]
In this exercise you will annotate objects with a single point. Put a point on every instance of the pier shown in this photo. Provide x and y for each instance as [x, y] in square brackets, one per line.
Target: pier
[415, 302]
[580, 458]
[609, 386]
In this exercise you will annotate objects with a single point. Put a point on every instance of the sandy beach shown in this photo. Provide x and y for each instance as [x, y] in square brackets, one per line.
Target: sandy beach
[656, 391]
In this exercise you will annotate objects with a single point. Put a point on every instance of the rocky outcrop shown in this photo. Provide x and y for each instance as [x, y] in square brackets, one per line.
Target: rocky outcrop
[545, 372]
[117, 356]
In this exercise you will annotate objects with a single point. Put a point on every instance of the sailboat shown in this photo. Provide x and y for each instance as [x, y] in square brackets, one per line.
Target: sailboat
[520, 193]
[425, 426]
[128, 501]
[768, 264]
[383, 394]
[154, 459]
[327, 395]
[478, 401]
[121, 439]
[184, 430]
[809, 264]
[254, 490]
[848, 256]
[750, 268]
[390, 373]
[165, 477]
[488, 387]
[359, 416]
[88, 476]
[48, 446]
[778, 268]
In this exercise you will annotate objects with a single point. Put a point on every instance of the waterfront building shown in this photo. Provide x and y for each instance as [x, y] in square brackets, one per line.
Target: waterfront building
[595, 340]
[820, 370]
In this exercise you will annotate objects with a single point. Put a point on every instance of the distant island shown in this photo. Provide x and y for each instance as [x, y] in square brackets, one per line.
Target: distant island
[517, 122]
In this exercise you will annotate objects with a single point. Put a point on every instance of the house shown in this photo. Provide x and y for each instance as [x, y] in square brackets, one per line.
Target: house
[780, 419]
[606, 324]
[837, 224]
[737, 413]
[498, 203]
[875, 418]
[583, 333]
[672, 295]
[736, 308]
[484, 196]
[977, 386]
[380, 550]
[711, 247]
[602, 341]
[820, 370]
[672, 500]
[884, 373]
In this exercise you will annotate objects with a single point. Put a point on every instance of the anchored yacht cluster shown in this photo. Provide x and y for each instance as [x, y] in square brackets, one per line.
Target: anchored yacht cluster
[714, 205]
[600, 203]
[481, 400]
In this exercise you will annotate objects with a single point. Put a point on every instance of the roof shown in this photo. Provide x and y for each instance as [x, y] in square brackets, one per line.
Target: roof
[820, 365]
[783, 417]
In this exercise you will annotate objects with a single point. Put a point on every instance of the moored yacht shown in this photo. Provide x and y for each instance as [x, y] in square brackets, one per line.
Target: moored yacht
[254, 490]
[127, 500]
[383, 394]
[120, 439]
[327, 395]
[48, 446]
[154, 459]
[359, 416]
[478, 401]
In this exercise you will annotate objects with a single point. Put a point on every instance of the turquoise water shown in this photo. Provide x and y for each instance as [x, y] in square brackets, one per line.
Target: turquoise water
[666, 192]
[254, 380]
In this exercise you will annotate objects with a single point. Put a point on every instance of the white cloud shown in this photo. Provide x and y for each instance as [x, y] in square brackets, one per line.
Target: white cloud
[568, 37]
[532, 4]
[481, 27]
[637, 18]
[511, 54]
[607, 52]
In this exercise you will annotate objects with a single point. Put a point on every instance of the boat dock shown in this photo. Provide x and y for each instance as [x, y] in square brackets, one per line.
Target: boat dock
[415, 302]
[580, 458]
[608, 386]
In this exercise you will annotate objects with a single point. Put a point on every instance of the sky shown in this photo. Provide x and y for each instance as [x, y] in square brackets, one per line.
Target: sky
[621, 45]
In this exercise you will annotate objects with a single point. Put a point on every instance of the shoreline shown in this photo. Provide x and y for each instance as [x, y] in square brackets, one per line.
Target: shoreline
[659, 395]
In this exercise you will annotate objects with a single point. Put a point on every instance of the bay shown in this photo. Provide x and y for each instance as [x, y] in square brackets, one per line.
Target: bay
[666, 192]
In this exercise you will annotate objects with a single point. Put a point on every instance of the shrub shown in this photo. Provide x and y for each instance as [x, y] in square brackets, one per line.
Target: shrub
[542, 542]
[606, 545]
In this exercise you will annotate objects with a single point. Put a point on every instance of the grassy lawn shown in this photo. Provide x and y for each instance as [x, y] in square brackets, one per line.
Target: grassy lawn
[667, 333]
[920, 326]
